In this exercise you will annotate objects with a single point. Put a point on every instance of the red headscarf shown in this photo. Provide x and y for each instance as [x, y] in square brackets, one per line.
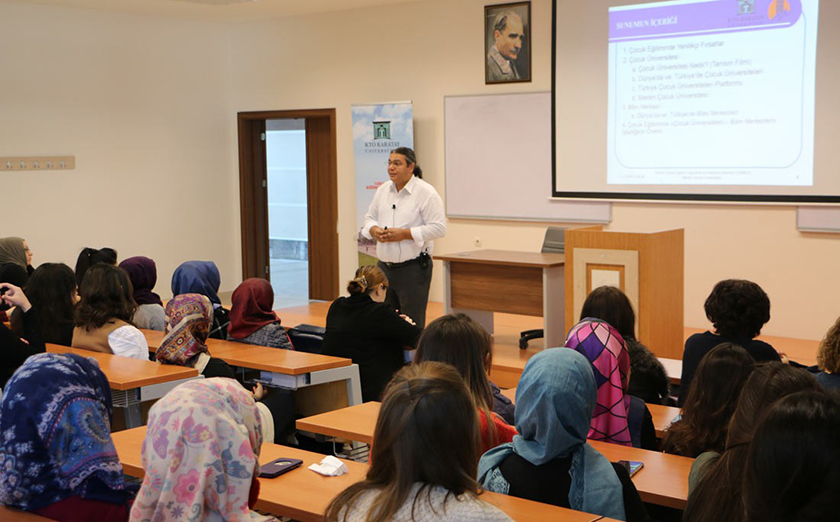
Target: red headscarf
[251, 307]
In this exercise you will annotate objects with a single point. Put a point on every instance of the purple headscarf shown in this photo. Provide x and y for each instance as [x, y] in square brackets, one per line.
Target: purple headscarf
[143, 274]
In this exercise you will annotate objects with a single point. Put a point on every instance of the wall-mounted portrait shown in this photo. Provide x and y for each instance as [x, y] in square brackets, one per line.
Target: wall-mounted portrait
[507, 41]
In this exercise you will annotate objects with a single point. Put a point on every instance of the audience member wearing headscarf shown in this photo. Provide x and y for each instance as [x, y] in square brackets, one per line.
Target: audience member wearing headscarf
[619, 418]
[15, 265]
[143, 274]
[185, 344]
[201, 455]
[58, 459]
[252, 319]
[550, 460]
[202, 277]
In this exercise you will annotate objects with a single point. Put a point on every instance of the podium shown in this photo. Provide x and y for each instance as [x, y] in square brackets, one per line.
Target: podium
[481, 282]
[647, 267]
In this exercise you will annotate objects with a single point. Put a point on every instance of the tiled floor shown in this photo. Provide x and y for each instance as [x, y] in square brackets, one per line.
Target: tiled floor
[290, 279]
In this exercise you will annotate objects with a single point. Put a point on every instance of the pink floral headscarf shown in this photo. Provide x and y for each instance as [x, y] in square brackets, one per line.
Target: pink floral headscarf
[200, 454]
[605, 349]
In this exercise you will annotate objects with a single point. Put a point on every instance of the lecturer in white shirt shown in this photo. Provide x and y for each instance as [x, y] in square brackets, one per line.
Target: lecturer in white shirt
[405, 216]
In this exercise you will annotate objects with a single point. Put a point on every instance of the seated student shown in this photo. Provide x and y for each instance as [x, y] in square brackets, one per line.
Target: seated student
[715, 481]
[142, 272]
[89, 257]
[619, 418]
[201, 455]
[738, 310]
[828, 358]
[365, 329]
[793, 467]
[58, 457]
[52, 291]
[648, 378]
[252, 321]
[423, 458]
[464, 344]
[710, 402]
[550, 460]
[190, 317]
[104, 313]
[15, 261]
[14, 350]
[202, 277]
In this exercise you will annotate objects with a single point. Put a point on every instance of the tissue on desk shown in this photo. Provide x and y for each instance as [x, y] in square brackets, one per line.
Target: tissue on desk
[329, 467]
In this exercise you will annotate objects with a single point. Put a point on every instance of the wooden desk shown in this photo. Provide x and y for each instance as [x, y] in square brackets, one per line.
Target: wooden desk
[663, 480]
[284, 368]
[482, 282]
[8, 514]
[304, 495]
[663, 416]
[133, 381]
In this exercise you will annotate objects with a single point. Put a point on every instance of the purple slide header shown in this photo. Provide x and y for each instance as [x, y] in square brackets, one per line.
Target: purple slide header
[715, 17]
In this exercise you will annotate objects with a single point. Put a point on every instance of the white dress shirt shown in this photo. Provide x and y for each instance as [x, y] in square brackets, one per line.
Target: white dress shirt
[417, 207]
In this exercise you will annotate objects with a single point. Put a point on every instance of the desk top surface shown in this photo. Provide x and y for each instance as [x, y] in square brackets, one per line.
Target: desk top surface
[663, 480]
[505, 257]
[275, 360]
[303, 494]
[125, 373]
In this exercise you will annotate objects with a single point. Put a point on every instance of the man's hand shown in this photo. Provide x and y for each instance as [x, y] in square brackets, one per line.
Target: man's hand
[376, 232]
[395, 234]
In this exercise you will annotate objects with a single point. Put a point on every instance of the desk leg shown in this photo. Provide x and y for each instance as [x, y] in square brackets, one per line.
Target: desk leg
[129, 402]
[349, 374]
[132, 416]
[554, 306]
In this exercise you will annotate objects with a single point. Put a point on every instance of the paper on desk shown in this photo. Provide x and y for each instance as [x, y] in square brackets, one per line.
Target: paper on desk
[329, 467]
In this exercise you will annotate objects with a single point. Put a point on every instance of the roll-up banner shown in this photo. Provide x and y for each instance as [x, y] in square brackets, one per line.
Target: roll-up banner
[377, 129]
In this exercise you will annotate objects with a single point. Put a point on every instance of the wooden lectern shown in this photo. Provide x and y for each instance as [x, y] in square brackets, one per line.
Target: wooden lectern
[647, 267]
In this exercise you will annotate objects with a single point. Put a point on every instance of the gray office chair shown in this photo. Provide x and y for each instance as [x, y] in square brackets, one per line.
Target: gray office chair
[554, 243]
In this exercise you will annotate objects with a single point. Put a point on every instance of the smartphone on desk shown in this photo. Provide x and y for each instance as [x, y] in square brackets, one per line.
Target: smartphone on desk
[277, 467]
[632, 466]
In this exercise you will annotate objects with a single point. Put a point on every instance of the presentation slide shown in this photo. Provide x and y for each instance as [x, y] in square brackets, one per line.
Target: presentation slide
[711, 92]
[730, 100]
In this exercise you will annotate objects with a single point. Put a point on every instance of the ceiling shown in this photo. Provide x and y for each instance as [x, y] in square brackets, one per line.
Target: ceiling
[218, 10]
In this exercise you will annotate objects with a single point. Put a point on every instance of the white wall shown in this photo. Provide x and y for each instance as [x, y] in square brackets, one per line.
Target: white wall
[423, 51]
[149, 106]
[143, 103]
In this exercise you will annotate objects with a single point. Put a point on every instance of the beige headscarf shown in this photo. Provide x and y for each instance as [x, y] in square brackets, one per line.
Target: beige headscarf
[12, 251]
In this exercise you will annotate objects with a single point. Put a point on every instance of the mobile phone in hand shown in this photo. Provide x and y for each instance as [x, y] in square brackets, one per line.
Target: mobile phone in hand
[277, 467]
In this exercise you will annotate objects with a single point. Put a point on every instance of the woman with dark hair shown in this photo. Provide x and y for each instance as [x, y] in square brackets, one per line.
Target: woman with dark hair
[715, 482]
[648, 378]
[202, 277]
[142, 272]
[365, 329]
[620, 418]
[828, 358]
[710, 402]
[550, 460]
[52, 291]
[103, 316]
[424, 455]
[738, 310]
[201, 456]
[793, 468]
[404, 217]
[252, 320]
[462, 343]
[15, 350]
[58, 457]
[89, 257]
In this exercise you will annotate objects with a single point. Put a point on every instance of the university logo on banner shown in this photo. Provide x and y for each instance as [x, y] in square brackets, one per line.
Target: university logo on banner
[377, 129]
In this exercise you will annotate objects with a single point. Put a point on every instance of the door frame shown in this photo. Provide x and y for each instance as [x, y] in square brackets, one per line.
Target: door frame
[322, 196]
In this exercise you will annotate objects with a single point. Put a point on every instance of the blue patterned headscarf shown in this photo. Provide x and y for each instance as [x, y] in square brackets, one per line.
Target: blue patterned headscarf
[198, 277]
[55, 434]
